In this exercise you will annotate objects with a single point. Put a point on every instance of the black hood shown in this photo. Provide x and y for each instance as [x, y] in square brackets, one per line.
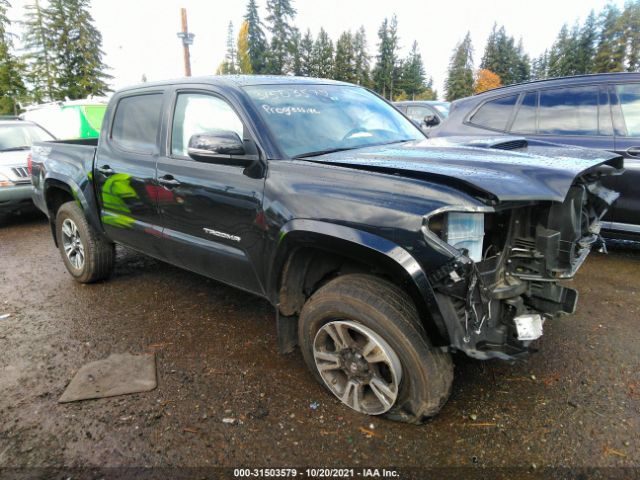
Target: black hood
[527, 171]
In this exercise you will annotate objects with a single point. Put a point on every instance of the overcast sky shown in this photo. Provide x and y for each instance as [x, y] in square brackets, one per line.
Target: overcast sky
[140, 35]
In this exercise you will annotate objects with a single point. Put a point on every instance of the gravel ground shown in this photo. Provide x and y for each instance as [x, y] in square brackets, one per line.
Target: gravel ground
[575, 404]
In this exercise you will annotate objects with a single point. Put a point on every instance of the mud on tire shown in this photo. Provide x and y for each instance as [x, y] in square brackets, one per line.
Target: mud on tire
[427, 372]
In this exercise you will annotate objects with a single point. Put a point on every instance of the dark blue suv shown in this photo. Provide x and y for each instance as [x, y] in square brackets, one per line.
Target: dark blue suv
[595, 111]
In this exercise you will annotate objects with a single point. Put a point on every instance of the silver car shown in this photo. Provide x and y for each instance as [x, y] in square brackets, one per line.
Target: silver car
[16, 138]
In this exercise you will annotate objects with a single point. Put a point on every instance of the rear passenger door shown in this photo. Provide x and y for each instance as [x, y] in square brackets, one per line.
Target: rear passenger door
[626, 108]
[125, 170]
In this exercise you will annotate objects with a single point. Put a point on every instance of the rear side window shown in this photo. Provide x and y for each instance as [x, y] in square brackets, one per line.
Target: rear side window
[495, 114]
[136, 122]
[525, 121]
[569, 111]
[629, 98]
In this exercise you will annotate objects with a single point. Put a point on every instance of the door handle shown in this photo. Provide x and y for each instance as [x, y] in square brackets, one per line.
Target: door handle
[633, 151]
[168, 181]
[106, 170]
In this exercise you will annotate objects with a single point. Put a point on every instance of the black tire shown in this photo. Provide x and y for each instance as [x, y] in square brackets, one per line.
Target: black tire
[427, 372]
[99, 254]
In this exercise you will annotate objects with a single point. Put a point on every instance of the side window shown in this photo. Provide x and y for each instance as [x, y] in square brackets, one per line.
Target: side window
[629, 98]
[418, 113]
[525, 121]
[569, 111]
[201, 113]
[136, 122]
[495, 114]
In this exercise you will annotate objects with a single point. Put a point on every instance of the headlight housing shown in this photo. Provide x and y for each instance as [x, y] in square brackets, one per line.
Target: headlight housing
[456, 230]
[465, 232]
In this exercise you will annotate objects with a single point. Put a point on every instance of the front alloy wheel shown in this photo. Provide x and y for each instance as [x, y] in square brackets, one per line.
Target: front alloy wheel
[361, 337]
[358, 366]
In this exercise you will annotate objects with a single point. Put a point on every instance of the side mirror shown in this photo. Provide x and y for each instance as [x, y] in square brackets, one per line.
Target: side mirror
[431, 120]
[213, 144]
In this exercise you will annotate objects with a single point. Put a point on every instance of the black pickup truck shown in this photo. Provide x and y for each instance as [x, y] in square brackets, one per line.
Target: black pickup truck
[382, 252]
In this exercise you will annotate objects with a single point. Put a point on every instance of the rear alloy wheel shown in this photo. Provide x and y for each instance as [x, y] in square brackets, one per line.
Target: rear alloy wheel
[72, 244]
[88, 256]
[358, 366]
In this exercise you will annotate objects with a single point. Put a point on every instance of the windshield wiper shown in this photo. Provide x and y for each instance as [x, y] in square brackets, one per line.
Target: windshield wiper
[323, 152]
[334, 150]
[15, 149]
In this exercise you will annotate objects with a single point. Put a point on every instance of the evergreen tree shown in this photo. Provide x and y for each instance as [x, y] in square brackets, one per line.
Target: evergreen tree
[36, 44]
[459, 82]
[492, 57]
[362, 66]
[306, 54]
[345, 65]
[229, 66]
[587, 44]
[632, 35]
[564, 54]
[322, 57]
[5, 35]
[385, 72]
[296, 45]
[76, 50]
[611, 50]
[12, 88]
[522, 71]
[394, 43]
[540, 66]
[413, 75]
[256, 41]
[244, 58]
[504, 58]
[383, 67]
[280, 21]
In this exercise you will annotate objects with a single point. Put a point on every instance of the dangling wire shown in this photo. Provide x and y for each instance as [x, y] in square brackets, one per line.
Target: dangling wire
[471, 304]
[603, 245]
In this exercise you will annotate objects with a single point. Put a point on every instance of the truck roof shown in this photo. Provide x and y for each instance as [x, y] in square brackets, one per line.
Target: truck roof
[237, 81]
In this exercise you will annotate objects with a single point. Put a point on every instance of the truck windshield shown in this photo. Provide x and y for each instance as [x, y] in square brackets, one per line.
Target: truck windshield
[308, 120]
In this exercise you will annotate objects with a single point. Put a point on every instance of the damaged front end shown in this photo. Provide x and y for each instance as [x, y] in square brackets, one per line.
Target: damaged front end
[502, 281]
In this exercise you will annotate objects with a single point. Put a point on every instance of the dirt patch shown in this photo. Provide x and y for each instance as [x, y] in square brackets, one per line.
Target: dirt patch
[575, 403]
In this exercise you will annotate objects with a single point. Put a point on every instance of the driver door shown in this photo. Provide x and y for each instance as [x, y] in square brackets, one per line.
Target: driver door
[210, 210]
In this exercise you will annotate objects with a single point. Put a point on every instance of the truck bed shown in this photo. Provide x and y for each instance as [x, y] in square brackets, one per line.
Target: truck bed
[68, 162]
[93, 142]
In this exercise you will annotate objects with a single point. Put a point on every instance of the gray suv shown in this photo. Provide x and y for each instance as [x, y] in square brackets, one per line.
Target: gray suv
[595, 111]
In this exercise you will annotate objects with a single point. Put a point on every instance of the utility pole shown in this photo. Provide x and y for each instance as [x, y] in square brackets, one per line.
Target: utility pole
[187, 39]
